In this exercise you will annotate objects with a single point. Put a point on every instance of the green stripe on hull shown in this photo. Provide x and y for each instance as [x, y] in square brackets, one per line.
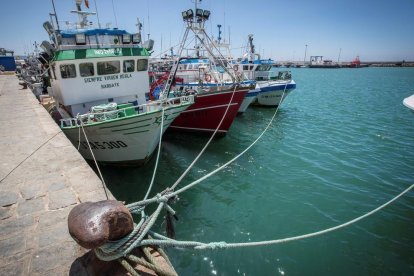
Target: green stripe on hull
[134, 132]
[99, 53]
[136, 122]
[116, 130]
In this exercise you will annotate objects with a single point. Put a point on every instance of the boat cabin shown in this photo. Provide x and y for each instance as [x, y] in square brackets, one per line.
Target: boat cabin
[98, 66]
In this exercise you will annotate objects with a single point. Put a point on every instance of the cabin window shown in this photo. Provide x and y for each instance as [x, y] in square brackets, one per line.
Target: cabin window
[86, 69]
[129, 66]
[251, 67]
[109, 67]
[142, 65]
[245, 67]
[68, 71]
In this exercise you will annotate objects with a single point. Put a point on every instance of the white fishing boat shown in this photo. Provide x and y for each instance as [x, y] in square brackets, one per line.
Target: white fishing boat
[409, 102]
[272, 87]
[99, 80]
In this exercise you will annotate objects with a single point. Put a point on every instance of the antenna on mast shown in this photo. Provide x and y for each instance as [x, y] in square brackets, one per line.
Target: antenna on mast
[219, 33]
[139, 27]
[97, 16]
[83, 15]
[113, 9]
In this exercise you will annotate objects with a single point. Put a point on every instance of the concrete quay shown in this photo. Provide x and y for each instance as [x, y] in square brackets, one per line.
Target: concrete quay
[42, 177]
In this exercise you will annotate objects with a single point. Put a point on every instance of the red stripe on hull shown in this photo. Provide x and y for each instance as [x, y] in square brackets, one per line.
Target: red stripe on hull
[206, 113]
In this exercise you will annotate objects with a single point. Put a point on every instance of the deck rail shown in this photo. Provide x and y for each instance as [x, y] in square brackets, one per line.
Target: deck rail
[98, 117]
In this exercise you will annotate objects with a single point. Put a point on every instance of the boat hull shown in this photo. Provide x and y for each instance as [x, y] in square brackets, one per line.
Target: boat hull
[271, 92]
[248, 100]
[409, 102]
[129, 140]
[208, 110]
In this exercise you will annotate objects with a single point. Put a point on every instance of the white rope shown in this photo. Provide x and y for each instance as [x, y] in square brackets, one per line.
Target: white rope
[158, 154]
[233, 159]
[214, 245]
[207, 143]
[79, 135]
[27, 157]
[142, 203]
[94, 159]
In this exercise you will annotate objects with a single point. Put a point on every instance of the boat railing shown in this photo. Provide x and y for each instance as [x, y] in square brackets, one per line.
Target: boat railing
[131, 110]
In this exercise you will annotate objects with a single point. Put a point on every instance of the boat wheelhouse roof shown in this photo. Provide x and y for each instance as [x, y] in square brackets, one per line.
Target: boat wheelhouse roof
[90, 32]
[194, 60]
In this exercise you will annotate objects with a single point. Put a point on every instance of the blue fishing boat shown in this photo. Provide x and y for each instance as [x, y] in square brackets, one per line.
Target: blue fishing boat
[272, 87]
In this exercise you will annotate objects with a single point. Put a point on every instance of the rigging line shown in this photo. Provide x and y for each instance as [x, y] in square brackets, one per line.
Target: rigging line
[301, 237]
[207, 144]
[97, 14]
[113, 9]
[160, 54]
[94, 159]
[231, 160]
[215, 131]
[158, 154]
[18, 165]
[172, 194]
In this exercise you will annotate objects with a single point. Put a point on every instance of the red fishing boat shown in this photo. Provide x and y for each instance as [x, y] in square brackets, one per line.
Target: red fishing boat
[356, 63]
[218, 91]
[209, 109]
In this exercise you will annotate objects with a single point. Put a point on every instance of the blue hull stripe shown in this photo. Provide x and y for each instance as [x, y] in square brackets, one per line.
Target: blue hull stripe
[278, 87]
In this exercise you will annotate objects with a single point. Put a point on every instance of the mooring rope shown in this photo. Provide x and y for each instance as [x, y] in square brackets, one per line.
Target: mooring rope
[115, 250]
[31, 154]
[222, 244]
[93, 156]
[122, 248]
[207, 143]
[158, 155]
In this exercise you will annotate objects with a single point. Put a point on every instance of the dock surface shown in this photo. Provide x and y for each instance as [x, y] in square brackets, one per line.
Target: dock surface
[42, 177]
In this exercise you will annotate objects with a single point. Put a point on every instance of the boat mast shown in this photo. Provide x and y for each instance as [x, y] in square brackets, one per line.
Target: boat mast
[55, 14]
[304, 59]
[83, 15]
[195, 22]
[340, 49]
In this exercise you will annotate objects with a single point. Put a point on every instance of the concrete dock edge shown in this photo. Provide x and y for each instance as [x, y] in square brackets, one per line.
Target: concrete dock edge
[42, 176]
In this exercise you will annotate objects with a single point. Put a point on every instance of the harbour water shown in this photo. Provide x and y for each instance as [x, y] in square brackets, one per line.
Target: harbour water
[341, 145]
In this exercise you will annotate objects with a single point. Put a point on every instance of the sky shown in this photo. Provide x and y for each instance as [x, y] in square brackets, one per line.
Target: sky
[374, 30]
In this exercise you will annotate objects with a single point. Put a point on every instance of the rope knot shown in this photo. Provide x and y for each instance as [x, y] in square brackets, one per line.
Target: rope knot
[161, 198]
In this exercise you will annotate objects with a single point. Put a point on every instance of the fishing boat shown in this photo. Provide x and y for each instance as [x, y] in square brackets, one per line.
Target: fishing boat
[409, 102]
[99, 80]
[7, 60]
[219, 92]
[272, 86]
[319, 62]
[356, 63]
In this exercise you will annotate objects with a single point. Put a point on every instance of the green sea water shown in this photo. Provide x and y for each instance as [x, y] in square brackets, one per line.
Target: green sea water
[341, 145]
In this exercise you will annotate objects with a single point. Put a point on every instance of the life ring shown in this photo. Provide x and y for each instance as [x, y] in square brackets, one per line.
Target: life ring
[208, 78]
[236, 68]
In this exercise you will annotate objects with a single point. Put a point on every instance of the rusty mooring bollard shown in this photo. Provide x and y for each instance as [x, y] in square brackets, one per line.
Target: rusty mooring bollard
[91, 224]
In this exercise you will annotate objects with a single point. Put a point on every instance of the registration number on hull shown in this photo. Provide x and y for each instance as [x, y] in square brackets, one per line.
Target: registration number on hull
[104, 145]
